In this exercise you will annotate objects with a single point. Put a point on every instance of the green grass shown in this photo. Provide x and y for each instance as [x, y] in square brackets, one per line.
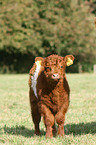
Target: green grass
[16, 127]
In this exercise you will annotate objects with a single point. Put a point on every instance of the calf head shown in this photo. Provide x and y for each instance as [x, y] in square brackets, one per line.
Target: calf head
[54, 66]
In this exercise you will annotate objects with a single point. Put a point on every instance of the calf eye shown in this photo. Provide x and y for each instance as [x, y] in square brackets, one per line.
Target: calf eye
[48, 68]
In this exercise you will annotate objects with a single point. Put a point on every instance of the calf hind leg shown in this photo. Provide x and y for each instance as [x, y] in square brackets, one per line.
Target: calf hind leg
[54, 130]
[36, 117]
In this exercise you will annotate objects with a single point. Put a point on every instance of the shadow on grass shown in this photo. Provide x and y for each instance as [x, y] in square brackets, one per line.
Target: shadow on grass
[75, 129]
[21, 130]
[81, 128]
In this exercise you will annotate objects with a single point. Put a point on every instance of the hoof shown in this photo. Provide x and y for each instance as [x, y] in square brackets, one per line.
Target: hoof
[37, 133]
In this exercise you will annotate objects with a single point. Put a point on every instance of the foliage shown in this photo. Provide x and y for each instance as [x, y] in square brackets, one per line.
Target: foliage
[92, 4]
[40, 28]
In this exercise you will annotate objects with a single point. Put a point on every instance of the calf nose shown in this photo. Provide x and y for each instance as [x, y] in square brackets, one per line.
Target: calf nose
[55, 76]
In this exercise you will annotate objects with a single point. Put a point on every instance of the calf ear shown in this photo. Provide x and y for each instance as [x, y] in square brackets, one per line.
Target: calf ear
[69, 60]
[39, 60]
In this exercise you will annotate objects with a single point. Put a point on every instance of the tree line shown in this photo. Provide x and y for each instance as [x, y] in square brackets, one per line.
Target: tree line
[30, 28]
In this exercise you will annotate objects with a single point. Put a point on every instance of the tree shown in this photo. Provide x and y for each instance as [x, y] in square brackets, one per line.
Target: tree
[40, 28]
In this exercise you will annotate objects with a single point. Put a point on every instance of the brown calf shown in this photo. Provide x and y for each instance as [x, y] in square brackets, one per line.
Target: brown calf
[49, 92]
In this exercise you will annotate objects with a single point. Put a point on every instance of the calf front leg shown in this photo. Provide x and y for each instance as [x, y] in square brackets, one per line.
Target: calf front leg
[60, 118]
[48, 120]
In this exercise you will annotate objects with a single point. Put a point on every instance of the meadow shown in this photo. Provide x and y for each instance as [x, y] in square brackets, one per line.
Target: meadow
[17, 128]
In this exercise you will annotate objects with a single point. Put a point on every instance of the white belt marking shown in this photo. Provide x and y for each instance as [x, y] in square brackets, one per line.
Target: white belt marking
[35, 76]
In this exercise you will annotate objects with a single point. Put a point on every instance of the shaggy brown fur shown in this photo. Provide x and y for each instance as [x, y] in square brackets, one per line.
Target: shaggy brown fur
[53, 93]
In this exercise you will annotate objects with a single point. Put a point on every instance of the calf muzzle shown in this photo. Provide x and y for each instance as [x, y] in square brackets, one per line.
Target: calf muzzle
[56, 76]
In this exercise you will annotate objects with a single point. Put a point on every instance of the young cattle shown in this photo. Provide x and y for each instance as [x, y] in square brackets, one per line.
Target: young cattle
[49, 92]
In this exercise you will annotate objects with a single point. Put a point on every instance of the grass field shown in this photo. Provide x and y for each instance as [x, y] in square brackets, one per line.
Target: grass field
[16, 127]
